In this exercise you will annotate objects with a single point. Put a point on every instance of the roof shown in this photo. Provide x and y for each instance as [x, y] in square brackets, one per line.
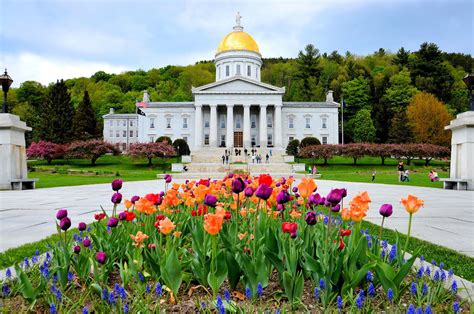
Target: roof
[168, 104]
[310, 104]
[119, 115]
[269, 89]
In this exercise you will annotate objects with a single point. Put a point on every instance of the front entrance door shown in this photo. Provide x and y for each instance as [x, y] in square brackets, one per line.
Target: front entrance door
[238, 139]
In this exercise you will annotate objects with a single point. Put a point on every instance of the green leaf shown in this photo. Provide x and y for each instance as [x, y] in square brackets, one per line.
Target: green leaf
[404, 270]
[288, 285]
[385, 279]
[298, 286]
[233, 270]
[274, 259]
[172, 272]
[217, 277]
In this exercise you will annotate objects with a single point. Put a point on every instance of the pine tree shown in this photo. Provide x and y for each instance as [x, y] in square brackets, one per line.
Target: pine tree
[400, 131]
[85, 121]
[363, 127]
[308, 71]
[56, 115]
[402, 57]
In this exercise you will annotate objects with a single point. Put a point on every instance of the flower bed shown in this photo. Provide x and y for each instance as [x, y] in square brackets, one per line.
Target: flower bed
[241, 244]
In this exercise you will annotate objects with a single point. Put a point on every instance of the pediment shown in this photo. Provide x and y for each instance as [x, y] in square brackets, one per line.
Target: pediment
[237, 85]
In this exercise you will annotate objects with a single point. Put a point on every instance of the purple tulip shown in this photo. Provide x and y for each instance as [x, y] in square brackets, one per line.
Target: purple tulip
[293, 235]
[311, 218]
[134, 199]
[280, 207]
[116, 198]
[282, 197]
[113, 222]
[101, 257]
[335, 196]
[386, 210]
[122, 216]
[313, 199]
[62, 213]
[117, 184]
[238, 185]
[297, 194]
[86, 242]
[77, 249]
[322, 201]
[65, 223]
[327, 204]
[82, 226]
[248, 191]
[283, 181]
[210, 200]
[295, 189]
[263, 191]
[344, 192]
[336, 209]
[277, 184]
[168, 178]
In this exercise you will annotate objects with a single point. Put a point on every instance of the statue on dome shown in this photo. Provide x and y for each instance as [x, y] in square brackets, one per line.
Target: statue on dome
[237, 19]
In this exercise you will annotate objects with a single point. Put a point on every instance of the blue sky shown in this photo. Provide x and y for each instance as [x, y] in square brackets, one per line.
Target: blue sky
[44, 40]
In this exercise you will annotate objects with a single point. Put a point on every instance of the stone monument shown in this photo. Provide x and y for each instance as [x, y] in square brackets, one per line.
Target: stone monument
[13, 170]
[462, 145]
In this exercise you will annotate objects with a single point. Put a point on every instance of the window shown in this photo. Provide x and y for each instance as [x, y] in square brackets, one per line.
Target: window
[238, 122]
[253, 121]
[249, 70]
[291, 123]
[227, 70]
[254, 140]
[222, 122]
[131, 133]
[308, 123]
[185, 123]
[270, 139]
[218, 72]
[152, 139]
[168, 123]
[124, 122]
[185, 138]
[324, 123]
[206, 123]
[291, 138]
[124, 134]
[118, 123]
[152, 123]
[111, 133]
[269, 121]
[117, 133]
[238, 69]
[111, 122]
[131, 122]
[222, 141]
[124, 146]
[206, 139]
[325, 139]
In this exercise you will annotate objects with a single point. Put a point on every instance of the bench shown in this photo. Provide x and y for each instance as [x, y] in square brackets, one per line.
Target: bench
[454, 184]
[23, 184]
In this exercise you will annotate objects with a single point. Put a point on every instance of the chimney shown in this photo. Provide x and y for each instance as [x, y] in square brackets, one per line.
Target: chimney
[111, 111]
[146, 96]
[329, 96]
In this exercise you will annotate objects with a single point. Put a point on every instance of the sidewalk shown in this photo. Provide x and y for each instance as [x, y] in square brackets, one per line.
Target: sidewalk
[447, 218]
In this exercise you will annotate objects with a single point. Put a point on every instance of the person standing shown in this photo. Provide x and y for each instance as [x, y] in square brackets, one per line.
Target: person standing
[270, 152]
[406, 176]
[223, 159]
[374, 173]
[315, 171]
[227, 159]
[401, 171]
[267, 158]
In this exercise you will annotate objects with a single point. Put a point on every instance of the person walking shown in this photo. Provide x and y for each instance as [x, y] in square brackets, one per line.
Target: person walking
[401, 170]
[374, 173]
[267, 158]
[315, 171]
[406, 176]
[223, 159]
[227, 159]
[270, 152]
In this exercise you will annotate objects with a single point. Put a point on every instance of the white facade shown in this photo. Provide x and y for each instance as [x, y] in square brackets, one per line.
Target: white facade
[120, 129]
[238, 110]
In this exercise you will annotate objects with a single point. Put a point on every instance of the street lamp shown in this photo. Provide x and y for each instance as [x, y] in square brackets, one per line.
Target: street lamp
[312, 154]
[469, 81]
[6, 81]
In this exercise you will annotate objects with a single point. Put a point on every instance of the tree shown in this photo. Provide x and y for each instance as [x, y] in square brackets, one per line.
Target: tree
[181, 147]
[165, 139]
[307, 65]
[308, 141]
[356, 94]
[401, 58]
[56, 115]
[363, 127]
[46, 150]
[292, 147]
[427, 118]
[85, 122]
[400, 131]
[91, 149]
[399, 94]
[151, 150]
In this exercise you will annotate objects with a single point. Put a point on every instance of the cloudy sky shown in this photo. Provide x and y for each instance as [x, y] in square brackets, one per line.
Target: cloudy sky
[44, 40]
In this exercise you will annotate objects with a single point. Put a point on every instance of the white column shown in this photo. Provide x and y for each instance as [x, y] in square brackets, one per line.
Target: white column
[198, 127]
[229, 138]
[213, 126]
[277, 127]
[263, 126]
[246, 135]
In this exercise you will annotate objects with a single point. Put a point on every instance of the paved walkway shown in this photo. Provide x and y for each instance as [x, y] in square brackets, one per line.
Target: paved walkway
[446, 219]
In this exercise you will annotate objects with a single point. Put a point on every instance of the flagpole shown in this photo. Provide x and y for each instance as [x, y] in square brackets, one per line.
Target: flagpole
[342, 120]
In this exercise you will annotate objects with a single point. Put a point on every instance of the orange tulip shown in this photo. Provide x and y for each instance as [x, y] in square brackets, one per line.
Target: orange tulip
[295, 214]
[357, 212]
[345, 214]
[145, 206]
[127, 204]
[139, 239]
[306, 187]
[166, 226]
[213, 223]
[412, 203]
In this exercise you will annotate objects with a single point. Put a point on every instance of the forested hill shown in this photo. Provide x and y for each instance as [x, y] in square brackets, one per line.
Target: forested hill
[382, 82]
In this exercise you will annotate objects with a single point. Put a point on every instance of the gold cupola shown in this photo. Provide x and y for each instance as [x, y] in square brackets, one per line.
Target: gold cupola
[237, 40]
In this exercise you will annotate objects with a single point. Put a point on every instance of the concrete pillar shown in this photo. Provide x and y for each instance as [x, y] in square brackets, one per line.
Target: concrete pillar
[213, 126]
[198, 127]
[246, 135]
[277, 126]
[229, 138]
[263, 126]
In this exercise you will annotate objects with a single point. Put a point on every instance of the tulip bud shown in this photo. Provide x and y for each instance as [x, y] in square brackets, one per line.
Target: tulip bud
[82, 226]
[62, 213]
[77, 249]
[238, 185]
[86, 242]
[311, 218]
[168, 178]
[117, 184]
[293, 235]
[386, 210]
[282, 197]
[122, 215]
[280, 207]
[263, 191]
[248, 191]
[336, 209]
[113, 222]
[210, 200]
[116, 198]
[134, 199]
[335, 196]
[295, 189]
[101, 257]
[65, 223]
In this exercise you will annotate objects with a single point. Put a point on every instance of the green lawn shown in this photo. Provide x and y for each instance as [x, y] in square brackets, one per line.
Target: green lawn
[342, 169]
[80, 171]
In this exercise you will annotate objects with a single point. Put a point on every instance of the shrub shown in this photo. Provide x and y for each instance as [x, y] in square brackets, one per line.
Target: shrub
[151, 150]
[292, 148]
[165, 139]
[308, 141]
[181, 147]
[324, 152]
[46, 150]
[91, 149]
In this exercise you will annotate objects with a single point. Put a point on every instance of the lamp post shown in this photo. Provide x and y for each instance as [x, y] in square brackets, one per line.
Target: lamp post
[469, 81]
[312, 154]
[6, 81]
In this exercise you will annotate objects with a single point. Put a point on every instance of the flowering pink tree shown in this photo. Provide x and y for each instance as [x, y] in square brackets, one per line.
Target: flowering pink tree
[151, 150]
[46, 150]
[91, 149]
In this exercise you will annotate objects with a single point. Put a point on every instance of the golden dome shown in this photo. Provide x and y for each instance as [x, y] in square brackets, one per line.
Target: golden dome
[238, 40]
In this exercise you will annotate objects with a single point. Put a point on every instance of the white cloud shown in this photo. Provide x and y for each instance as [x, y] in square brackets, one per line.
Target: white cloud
[27, 66]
